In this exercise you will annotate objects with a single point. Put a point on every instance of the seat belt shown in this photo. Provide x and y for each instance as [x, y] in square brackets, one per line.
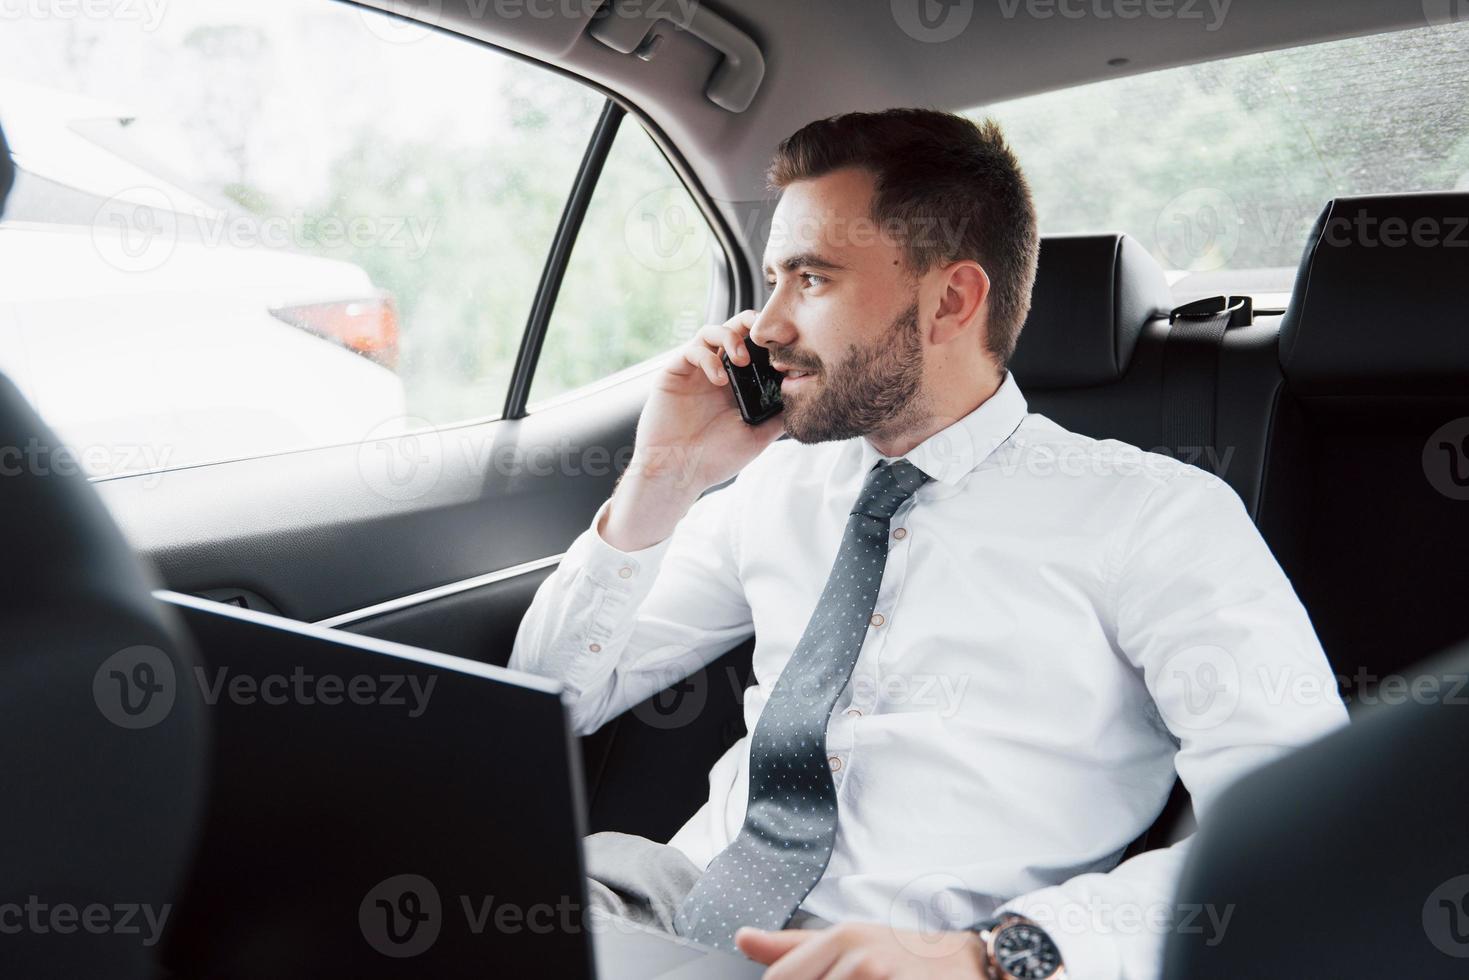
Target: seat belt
[1191, 374]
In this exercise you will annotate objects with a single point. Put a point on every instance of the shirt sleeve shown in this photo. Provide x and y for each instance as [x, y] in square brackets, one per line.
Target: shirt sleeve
[616, 627]
[1202, 609]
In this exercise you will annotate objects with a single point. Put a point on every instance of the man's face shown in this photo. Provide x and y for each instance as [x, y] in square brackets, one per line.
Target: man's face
[842, 320]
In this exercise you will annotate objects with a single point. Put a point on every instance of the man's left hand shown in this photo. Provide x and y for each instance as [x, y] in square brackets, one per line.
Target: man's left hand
[864, 951]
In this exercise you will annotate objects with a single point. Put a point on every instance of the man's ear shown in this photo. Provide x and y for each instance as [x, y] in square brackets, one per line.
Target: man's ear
[964, 288]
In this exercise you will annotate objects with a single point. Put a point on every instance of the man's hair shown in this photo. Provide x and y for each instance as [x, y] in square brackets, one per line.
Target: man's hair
[949, 186]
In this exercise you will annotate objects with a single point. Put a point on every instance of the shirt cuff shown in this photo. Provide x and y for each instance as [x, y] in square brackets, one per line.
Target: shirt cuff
[613, 567]
[1086, 952]
[618, 582]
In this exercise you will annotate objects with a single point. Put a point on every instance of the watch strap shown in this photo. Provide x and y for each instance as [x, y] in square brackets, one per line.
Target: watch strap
[986, 928]
[985, 924]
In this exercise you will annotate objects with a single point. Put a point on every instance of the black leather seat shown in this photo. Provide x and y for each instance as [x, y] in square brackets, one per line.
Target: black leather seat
[1098, 356]
[1343, 425]
[1347, 858]
[1350, 857]
[1366, 494]
[102, 765]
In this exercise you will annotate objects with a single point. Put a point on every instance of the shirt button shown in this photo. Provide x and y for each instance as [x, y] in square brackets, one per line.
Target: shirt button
[854, 713]
[594, 647]
[900, 533]
[834, 762]
[877, 619]
[625, 572]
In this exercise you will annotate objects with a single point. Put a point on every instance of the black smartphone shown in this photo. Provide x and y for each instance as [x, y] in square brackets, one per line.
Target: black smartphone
[756, 386]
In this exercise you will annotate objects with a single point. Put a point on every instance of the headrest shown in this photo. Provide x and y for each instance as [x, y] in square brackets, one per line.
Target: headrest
[1093, 295]
[1380, 294]
[7, 171]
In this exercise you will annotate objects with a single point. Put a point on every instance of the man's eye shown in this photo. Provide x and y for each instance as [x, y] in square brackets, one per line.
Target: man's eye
[812, 279]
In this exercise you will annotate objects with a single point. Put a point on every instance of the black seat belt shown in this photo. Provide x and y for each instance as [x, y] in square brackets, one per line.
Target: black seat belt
[1191, 374]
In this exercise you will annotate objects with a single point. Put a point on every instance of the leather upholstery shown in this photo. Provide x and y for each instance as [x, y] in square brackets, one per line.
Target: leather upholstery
[1346, 858]
[1378, 301]
[1093, 295]
[1358, 501]
[1092, 358]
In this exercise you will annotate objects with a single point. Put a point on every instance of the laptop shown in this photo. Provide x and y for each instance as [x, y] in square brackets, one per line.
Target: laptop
[380, 810]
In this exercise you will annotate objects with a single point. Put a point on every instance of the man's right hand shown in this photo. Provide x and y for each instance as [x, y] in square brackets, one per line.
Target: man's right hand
[690, 437]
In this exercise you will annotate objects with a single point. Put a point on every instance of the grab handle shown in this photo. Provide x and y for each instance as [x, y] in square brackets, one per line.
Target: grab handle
[741, 68]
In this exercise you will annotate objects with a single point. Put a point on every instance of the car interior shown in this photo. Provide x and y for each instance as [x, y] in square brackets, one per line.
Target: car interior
[1337, 407]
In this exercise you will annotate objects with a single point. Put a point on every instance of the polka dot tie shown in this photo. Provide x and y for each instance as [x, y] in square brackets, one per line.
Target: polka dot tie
[782, 850]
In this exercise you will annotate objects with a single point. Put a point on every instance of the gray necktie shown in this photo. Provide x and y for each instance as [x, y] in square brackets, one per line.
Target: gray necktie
[790, 824]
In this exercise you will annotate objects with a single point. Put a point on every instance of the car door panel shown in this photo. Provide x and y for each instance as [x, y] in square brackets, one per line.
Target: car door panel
[451, 565]
[478, 623]
[328, 531]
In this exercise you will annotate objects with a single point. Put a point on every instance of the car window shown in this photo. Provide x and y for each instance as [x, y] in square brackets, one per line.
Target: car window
[302, 224]
[1221, 168]
[638, 282]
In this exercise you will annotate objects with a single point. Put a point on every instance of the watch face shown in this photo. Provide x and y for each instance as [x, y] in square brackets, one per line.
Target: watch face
[1025, 952]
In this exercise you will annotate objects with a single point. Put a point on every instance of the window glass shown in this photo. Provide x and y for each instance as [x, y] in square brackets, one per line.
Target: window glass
[248, 226]
[640, 272]
[1221, 168]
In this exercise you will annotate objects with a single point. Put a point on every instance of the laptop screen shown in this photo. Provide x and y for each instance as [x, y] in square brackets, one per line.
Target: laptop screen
[376, 809]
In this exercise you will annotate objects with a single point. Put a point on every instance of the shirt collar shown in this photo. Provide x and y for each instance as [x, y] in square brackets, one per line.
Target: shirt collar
[951, 453]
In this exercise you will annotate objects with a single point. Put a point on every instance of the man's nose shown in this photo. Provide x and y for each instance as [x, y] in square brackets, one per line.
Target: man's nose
[772, 326]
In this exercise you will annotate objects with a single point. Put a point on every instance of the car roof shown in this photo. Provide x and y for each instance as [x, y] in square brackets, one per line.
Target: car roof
[828, 56]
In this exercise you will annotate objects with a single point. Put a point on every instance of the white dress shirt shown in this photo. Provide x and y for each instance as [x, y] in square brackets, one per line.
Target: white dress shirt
[1062, 622]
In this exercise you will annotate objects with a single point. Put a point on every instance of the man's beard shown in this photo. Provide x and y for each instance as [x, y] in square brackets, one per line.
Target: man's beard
[874, 389]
